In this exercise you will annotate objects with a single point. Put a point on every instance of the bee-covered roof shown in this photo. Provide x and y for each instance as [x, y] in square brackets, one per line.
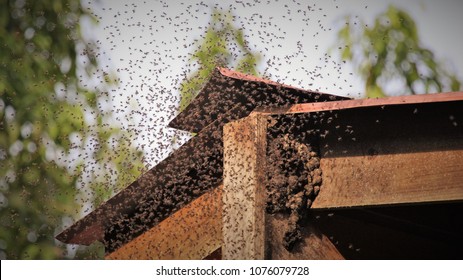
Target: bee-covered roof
[227, 88]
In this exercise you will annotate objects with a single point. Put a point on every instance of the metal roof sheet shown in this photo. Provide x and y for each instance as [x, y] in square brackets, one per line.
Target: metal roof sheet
[226, 88]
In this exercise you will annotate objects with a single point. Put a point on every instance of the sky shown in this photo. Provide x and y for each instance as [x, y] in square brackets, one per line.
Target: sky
[147, 44]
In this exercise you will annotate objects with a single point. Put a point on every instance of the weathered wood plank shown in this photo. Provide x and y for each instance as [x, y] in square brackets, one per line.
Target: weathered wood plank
[391, 179]
[244, 190]
[193, 232]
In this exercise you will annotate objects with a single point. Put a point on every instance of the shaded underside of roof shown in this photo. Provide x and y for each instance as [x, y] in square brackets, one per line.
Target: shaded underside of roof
[226, 88]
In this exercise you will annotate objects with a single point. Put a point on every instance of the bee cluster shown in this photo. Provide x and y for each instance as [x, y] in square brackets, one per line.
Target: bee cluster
[294, 176]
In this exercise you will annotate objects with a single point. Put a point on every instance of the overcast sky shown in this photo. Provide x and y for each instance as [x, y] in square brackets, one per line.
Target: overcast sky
[148, 44]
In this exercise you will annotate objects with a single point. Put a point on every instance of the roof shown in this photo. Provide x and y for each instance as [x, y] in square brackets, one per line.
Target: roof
[375, 102]
[226, 88]
[186, 174]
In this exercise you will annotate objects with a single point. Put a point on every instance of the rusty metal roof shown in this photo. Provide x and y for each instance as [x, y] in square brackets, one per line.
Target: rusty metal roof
[185, 175]
[374, 102]
[226, 88]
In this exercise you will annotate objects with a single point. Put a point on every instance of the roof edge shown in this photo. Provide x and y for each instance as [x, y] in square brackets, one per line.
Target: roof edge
[178, 122]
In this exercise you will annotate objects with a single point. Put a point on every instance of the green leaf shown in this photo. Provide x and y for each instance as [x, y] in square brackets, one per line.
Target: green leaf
[390, 49]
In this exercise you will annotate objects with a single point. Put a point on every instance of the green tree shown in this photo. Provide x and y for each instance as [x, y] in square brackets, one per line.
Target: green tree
[390, 50]
[58, 155]
[223, 45]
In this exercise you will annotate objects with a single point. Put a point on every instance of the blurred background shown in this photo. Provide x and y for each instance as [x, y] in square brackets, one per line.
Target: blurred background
[87, 88]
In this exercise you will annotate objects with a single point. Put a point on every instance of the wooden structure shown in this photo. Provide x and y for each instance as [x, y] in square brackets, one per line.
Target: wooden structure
[392, 181]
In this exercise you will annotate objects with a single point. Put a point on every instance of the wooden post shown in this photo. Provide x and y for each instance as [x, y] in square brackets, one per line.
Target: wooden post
[244, 188]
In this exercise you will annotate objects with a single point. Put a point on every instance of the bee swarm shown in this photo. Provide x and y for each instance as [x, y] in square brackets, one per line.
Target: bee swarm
[293, 174]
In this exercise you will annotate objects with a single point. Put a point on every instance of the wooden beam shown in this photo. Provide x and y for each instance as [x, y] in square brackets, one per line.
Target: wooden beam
[193, 232]
[244, 193]
[435, 176]
[385, 155]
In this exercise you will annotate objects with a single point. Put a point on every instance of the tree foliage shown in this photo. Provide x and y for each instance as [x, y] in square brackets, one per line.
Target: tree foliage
[223, 45]
[58, 156]
[390, 51]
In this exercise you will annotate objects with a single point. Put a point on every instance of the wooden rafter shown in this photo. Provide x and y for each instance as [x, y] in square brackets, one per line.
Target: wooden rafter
[193, 232]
